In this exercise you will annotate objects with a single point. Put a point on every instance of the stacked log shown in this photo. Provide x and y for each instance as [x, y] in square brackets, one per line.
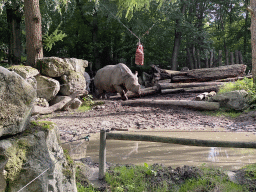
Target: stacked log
[199, 80]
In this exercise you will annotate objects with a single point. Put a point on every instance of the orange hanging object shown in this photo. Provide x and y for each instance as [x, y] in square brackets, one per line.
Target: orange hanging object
[139, 55]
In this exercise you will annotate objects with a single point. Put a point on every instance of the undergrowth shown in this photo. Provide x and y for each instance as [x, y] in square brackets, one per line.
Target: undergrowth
[245, 84]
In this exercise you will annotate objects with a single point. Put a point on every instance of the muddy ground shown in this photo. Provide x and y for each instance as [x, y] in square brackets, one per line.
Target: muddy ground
[112, 115]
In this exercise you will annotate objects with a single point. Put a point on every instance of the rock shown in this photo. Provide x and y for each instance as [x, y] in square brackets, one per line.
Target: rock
[29, 155]
[75, 104]
[24, 71]
[42, 102]
[16, 102]
[79, 65]
[71, 82]
[232, 100]
[47, 87]
[53, 66]
[27, 72]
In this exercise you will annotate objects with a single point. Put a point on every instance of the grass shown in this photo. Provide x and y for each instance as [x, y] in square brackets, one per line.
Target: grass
[219, 113]
[245, 84]
[88, 103]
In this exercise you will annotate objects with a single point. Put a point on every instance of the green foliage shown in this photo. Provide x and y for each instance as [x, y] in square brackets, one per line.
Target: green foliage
[250, 171]
[87, 103]
[50, 40]
[81, 188]
[245, 84]
[219, 113]
[211, 180]
[132, 178]
[45, 125]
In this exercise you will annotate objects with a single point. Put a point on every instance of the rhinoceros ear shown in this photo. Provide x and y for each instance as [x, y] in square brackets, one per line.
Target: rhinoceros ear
[136, 73]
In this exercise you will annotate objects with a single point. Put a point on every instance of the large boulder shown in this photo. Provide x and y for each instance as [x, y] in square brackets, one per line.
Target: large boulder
[79, 65]
[47, 87]
[74, 104]
[16, 102]
[53, 66]
[36, 153]
[72, 82]
[236, 100]
[27, 72]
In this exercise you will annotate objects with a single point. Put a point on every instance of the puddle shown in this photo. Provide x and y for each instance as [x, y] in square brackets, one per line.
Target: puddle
[140, 152]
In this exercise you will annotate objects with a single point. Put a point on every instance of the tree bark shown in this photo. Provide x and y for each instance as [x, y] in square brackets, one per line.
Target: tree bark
[210, 74]
[15, 48]
[177, 40]
[237, 57]
[211, 58]
[34, 46]
[220, 58]
[253, 38]
[232, 58]
[186, 85]
[191, 89]
[227, 58]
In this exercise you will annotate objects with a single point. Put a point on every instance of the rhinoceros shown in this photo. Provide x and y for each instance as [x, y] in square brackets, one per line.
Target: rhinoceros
[116, 78]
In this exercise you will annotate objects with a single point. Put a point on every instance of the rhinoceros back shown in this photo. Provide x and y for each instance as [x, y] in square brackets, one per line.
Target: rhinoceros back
[111, 75]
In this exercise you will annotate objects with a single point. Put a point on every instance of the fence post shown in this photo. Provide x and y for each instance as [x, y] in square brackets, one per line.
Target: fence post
[102, 154]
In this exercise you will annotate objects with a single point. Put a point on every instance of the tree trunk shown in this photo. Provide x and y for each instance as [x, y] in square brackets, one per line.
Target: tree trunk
[227, 58]
[195, 58]
[190, 59]
[253, 38]
[232, 58]
[191, 89]
[240, 57]
[198, 59]
[220, 58]
[206, 60]
[237, 57]
[14, 19]
[34, 46]
[177, 40]
[211, 58]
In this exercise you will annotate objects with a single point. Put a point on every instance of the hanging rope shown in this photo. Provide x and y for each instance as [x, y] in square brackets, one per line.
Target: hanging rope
[139, 55]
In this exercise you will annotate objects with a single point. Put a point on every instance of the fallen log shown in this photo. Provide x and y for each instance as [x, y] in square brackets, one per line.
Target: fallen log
[234, 79]
[210, 74]
[186, 85]
[191, 89]
[199, 105]
[47, 110]
[144, 92]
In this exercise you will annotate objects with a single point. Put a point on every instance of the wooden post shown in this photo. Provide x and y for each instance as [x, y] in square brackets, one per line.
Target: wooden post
[102, 154]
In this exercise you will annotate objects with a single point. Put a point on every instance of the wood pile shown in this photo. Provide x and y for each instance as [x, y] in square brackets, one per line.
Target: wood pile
[197, 80]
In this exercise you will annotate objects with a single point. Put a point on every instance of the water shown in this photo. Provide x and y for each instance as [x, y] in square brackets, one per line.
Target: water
[138, 152]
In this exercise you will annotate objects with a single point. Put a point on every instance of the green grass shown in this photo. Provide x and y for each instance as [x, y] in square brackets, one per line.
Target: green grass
[220, 113]
[245, 84]
[211, 180]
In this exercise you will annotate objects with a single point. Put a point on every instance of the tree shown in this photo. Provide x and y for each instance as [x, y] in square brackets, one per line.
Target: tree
[34, 45]
[252, 9]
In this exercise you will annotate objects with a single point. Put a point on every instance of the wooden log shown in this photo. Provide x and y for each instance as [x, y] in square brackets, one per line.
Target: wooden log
[144, 92]
[233, 79]
[47, 110]
[191, 89]
[210, 74]
[186, 85]
[182, 141]
[199, 105]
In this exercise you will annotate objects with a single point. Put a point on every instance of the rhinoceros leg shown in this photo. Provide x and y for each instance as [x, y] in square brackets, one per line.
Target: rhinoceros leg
[121, 91]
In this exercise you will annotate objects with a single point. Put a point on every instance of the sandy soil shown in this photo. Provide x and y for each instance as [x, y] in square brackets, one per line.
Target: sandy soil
[112, 115]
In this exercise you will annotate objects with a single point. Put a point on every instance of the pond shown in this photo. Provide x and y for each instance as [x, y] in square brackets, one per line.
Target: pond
[174, 155]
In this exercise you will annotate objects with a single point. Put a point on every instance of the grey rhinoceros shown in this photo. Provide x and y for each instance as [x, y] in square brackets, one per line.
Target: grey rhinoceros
[116, 78]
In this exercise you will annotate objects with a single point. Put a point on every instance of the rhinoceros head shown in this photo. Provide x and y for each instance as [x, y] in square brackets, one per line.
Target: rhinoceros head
[132, 83]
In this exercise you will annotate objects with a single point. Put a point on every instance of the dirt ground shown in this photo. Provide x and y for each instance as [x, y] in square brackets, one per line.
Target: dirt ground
[112, 115]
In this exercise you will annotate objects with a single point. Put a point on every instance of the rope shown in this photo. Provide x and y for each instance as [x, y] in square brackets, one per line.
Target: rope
[126, 26]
